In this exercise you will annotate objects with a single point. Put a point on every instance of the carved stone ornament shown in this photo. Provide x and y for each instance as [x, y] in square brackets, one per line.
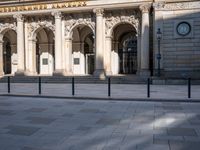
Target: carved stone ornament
[98, 11]
[180, 6]
[78, 19]
[19, 17]
[57, 14]
[5, 26]
[145, 8]
[158, 5]
[33, 26]
[122, 17]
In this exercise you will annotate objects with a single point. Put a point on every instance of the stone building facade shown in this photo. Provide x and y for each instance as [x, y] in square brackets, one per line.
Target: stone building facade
[100, 37]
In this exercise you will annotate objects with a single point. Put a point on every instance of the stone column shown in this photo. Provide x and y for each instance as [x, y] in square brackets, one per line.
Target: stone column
[68, 55]
[32, 70]
[108, 55]
[145, 41]
[58, 43]
[99, 67]
[1, 59]
[20, 44]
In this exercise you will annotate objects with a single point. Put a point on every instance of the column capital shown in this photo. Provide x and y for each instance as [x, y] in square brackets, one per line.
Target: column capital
[19, 17]
[98, 11]
[57, 14]
[145, 8]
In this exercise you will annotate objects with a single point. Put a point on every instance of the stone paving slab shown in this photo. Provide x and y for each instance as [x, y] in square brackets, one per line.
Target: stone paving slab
[59, 124]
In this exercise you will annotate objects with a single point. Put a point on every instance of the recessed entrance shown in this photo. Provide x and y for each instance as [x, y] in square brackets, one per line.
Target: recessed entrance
[83, 50]
[125, 45]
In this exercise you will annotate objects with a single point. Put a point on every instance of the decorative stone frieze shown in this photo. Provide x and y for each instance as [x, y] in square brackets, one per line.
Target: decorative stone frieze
[113, 19]
[180, 6]
[159, 5]
[72, 21]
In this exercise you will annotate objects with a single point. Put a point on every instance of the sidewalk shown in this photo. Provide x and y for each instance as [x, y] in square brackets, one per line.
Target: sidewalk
[118, 91]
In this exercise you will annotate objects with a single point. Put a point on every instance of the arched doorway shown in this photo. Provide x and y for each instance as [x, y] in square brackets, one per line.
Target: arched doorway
[10, 52]
[125, 45]
[83, 50]
[45, 51]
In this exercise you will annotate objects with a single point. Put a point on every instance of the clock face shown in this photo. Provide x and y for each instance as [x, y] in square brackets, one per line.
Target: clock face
[183, 28]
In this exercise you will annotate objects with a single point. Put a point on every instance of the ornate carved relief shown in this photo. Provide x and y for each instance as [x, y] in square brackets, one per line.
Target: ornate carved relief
[19, 17]
[145, 8]
[98, 11]
[158, 5]
[78, 19]
[34, 23]
[115, 18]
[4, 26]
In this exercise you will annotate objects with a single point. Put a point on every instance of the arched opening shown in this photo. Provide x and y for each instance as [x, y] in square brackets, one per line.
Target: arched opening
[83, 50]
[125, 46]
[45, 51]
[10, 52]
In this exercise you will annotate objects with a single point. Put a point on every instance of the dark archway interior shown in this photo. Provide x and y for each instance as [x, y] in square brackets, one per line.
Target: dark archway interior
[9, 48]
[83, 42]
[44, 44]
[125, 44]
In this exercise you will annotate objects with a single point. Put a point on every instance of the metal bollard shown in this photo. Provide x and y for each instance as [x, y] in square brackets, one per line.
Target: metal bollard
[189, 87]
[73, 87]
[39, 86]
[109, 86]
[148, 87]
[8, 84]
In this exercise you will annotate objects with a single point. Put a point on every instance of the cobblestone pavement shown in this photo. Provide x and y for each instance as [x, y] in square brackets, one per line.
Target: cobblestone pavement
[58, 124]
[101, 90]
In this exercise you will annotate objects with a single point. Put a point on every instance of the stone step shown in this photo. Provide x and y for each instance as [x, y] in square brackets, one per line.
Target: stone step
[80, 79]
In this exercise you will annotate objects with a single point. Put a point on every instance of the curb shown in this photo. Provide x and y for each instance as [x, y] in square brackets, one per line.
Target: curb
[105, 98]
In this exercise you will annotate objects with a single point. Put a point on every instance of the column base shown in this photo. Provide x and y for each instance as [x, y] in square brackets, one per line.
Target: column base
[109, 73]
[20, 73]
[100, 73]
[59, 73]
[30, 73]
[144, 73]
[1, 74]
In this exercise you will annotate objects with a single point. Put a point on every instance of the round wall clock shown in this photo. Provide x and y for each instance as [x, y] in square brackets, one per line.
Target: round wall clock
[183, 28]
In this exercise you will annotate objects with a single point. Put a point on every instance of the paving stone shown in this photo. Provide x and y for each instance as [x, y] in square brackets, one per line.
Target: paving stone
[40, 120]
[108, 121]
[84, 128]
[89, 110]
[32, 148]
[6, 112]
[75, 103]
[36, 109]
[181, 132]
[21, 130]
[175, 145]
[68, 115]
[5, 104]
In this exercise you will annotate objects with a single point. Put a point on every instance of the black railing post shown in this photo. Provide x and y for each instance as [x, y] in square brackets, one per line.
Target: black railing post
[39, 86]
[148, 87]
[8, 84]
[189, 87]
[109, 87]
[73, 87]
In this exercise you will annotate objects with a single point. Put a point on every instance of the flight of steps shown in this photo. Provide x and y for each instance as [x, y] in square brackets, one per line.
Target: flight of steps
[132, 79]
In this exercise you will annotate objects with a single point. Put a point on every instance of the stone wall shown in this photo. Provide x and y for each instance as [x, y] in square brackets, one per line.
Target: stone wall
[180, 54]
